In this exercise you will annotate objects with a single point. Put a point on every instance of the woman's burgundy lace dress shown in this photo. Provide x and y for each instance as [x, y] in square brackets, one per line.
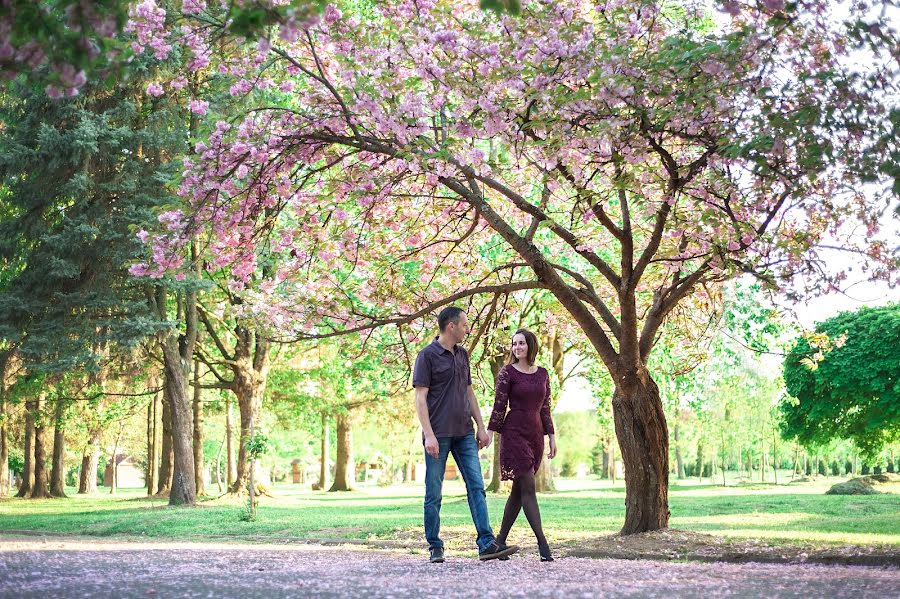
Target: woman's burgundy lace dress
[523, 427]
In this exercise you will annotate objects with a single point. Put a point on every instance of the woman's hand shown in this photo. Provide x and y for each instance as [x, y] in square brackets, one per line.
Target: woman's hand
[552, 453]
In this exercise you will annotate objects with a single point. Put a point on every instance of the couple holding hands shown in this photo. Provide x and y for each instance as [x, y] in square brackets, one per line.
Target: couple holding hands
[446, 405]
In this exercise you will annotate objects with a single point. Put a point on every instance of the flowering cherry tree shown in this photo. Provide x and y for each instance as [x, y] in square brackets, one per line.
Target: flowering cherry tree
[625, 155]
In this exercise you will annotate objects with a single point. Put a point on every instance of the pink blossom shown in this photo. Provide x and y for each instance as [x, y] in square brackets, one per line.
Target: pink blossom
[198, 106]
[155, 90]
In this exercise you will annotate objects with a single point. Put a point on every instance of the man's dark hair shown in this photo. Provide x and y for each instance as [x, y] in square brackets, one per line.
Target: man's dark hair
[448, 315]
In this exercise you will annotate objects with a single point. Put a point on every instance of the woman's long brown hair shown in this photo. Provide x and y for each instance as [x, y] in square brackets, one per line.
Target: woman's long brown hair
[531, 341]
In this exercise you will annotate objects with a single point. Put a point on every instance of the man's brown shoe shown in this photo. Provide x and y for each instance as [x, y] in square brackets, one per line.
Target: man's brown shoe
[495, 551]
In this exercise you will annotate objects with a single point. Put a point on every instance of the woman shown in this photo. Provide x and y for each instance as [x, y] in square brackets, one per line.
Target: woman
[525, 388]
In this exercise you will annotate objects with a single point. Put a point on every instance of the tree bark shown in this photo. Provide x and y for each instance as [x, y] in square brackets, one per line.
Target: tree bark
[344, 466]
[543, 478]
[644, 445]
[606, 457]
[87, 479]
[4, 447]
[198, 432]
[250, 368]
[496, 483]
[323, 456]
[114, 470]
[679, 461]
[152, 443]
[28, 467]
[700, 460]
[58, 470]
[231, 468]
[41, 488]
[166, 456]
[183, 491]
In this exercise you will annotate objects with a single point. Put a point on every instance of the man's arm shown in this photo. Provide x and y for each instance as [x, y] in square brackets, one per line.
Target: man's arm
[431, 442]
[484, 439]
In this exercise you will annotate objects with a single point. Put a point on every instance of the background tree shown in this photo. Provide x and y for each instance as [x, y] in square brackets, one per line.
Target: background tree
[851, 389]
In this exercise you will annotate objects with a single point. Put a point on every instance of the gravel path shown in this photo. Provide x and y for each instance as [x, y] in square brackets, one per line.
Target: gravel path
[77, 568]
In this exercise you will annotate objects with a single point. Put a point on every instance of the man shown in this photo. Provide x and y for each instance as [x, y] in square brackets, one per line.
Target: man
[446, 404]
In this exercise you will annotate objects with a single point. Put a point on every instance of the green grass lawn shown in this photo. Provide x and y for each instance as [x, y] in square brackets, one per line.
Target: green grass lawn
[579, 510]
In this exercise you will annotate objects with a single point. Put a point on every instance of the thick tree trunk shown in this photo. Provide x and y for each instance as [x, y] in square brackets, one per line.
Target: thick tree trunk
[87, 479]
[27, 482]
[166, 455]
[644, 445]
[58, 471]
[679, 461]
[231, 467]
[343, 468]
[183, 491]
[198, 432]
[41, 488]
[249, 406]
[250, 368]
[323, 456]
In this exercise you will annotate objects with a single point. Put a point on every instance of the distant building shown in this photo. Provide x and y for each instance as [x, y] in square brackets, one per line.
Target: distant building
[128, 473]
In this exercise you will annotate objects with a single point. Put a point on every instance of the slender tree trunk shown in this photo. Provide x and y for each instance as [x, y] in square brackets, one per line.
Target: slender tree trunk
[58, 471]
[4, 447]
[166, 456]
[343, 469]
[28, 467]
[543, 478]
[231, 468]
[700, 460]
[183, 491]
[114, 464]
[496, 483]
[678, 459]
[198, 433]
[152, 444]
[219, 466]
[323, 455]
[605, 457]
[612, 461]
[41, 488]
[775, 455]
[644, 445]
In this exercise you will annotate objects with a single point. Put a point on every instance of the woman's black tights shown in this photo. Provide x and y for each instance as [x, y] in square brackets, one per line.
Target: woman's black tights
[522, 497]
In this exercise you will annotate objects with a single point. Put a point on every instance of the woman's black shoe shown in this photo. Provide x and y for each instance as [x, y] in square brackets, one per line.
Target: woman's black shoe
[544, 551]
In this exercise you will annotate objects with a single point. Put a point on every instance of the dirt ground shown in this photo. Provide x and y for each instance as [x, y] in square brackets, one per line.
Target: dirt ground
[682, 545]
[80, 567]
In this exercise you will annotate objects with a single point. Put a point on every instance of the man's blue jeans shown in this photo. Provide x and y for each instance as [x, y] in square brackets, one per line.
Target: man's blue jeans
[465, 454]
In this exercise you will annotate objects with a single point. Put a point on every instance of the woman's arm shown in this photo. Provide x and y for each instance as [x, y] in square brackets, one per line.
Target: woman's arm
[501, 401]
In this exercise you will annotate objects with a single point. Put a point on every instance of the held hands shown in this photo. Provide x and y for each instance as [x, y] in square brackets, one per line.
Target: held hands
[552, 453]
[431, 446]
[484, 438]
